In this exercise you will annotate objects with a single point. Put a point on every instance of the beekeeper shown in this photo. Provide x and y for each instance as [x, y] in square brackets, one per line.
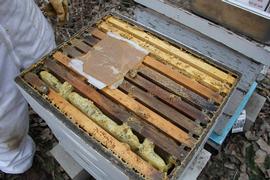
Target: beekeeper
[25, 36]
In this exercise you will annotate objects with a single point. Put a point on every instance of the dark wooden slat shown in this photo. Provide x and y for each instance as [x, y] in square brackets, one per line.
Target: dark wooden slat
[80, 45]
[183, 80]
[97, 33]
[151, 117]
[161, 108]
[172, 86]
[117, 111]
[34, 80]
[71, 51]
[170, 98]
[91, 40]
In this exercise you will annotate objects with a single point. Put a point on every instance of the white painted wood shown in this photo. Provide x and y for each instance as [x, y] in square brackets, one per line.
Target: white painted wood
[197, 166]
[254, 10]
[253, 109]
[258, 52]
[71, 167]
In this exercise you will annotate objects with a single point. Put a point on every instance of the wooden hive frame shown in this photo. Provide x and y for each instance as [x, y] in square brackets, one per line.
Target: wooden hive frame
[173, 100]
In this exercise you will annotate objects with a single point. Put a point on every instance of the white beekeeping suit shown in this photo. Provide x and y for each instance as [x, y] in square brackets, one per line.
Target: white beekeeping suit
[25, 36]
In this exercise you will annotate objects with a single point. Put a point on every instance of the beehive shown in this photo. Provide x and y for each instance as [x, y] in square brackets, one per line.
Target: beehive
[169, 103]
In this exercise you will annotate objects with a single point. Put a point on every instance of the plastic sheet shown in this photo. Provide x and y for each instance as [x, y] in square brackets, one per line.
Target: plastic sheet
[109, 61]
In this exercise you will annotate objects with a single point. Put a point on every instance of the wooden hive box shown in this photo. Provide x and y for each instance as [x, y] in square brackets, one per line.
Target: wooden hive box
[173, 100]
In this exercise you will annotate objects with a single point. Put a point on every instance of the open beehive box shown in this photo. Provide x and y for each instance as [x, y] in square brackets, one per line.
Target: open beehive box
[157, 118]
